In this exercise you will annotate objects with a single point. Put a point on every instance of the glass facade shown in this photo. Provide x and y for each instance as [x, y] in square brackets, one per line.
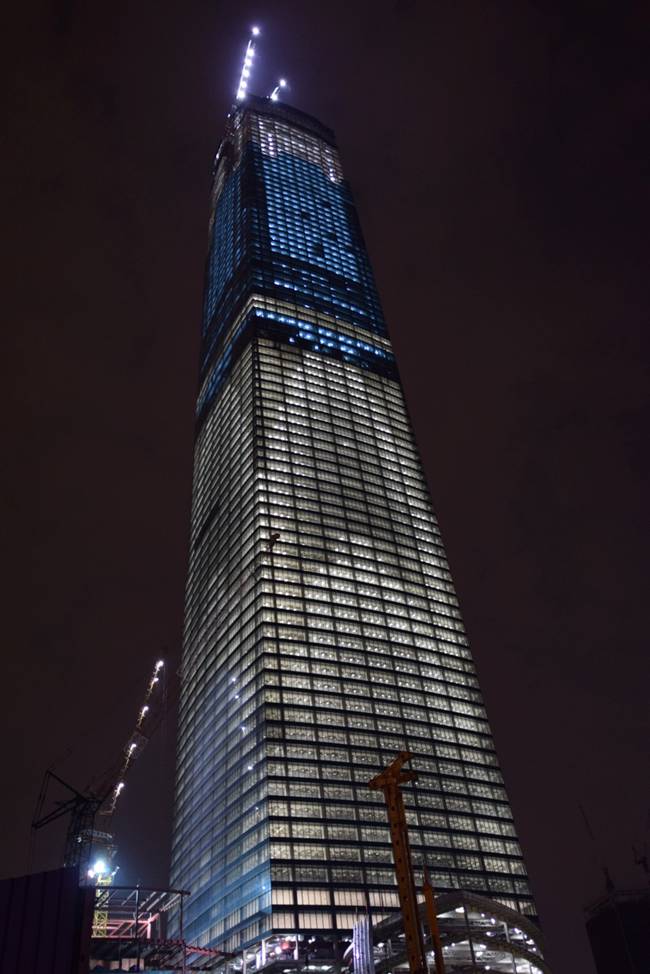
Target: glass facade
[322, 630]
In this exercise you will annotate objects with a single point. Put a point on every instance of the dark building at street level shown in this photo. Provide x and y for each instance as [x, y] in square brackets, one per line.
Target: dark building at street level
[618, 927]
[322, 629]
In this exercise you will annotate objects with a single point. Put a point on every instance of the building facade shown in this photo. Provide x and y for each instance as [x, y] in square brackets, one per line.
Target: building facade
[322, 630]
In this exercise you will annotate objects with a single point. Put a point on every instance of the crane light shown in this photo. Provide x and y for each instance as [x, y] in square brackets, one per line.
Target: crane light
[274, 96]
[247, 65]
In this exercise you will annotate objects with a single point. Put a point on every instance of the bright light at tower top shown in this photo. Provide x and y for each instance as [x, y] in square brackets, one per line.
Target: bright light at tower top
[275, 94]
[247, 65]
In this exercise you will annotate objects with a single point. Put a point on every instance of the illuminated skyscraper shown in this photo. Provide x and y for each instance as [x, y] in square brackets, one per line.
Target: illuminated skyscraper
[322, 630]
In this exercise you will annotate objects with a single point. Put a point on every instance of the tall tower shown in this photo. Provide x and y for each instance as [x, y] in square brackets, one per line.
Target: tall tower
[322, 630]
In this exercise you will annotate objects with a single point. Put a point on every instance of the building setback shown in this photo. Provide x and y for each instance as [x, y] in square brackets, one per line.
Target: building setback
[322, 629]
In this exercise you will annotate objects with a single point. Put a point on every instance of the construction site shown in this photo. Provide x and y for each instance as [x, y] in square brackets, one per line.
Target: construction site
[79, 919]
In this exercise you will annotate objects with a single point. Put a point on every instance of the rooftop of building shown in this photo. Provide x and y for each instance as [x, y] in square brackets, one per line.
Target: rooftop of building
[286, 113]
[618, 898]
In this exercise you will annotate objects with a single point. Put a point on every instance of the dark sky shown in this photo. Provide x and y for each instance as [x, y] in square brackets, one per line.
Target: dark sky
[498, 157]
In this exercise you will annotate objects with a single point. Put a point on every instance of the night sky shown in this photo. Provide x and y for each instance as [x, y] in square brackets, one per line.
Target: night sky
[498, 156]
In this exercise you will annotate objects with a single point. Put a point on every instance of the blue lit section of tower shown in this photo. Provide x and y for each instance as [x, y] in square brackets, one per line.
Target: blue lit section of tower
[284, 224]
[322, 629]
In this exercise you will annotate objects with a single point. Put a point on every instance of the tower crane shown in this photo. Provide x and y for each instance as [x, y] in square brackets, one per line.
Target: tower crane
[100, 798]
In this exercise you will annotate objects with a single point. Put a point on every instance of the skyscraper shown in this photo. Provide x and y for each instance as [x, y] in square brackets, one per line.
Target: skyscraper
[322, 630]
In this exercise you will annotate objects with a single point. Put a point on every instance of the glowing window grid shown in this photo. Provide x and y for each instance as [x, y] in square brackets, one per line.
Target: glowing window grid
[310, 661]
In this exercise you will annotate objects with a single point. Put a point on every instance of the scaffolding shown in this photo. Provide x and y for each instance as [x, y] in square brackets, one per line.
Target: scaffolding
[133, 935]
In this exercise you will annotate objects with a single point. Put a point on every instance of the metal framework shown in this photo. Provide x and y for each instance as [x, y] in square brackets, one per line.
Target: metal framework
[476, 934]
[390, 782]
[432, 920]
[134, 931]
[82, 808]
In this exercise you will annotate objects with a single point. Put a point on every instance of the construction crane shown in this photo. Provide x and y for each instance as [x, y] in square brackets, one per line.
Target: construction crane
[432, 919]
[390, 781]
[98, 799]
